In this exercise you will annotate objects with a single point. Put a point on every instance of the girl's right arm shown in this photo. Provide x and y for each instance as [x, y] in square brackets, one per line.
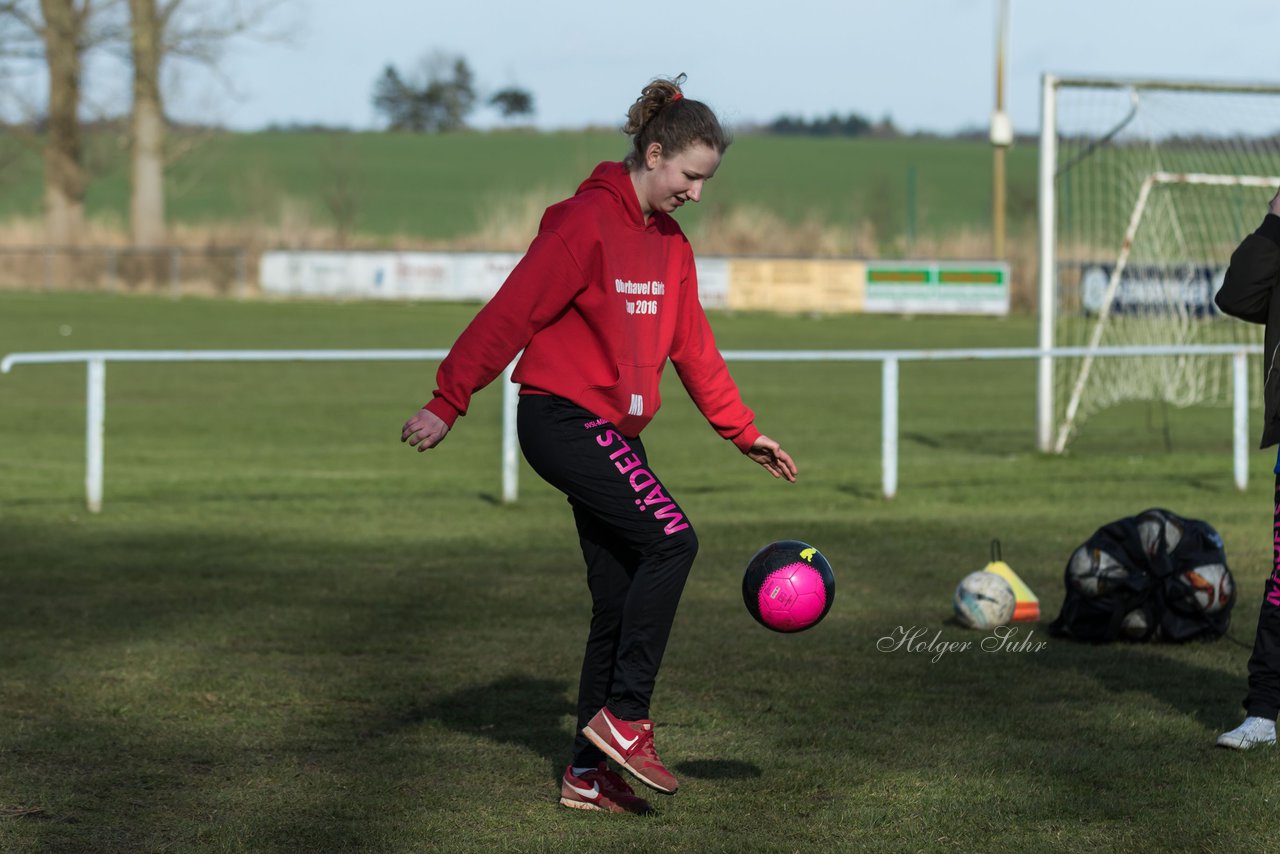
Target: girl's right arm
[545, 281]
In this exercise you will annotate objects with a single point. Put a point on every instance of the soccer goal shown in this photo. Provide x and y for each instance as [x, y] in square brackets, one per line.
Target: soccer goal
[1145, 189]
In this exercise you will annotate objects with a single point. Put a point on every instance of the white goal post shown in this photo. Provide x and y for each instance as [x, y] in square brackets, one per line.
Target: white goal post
[1145, 187]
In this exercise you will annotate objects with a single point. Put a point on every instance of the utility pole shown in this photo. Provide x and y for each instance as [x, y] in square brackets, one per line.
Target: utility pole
[1001, 134]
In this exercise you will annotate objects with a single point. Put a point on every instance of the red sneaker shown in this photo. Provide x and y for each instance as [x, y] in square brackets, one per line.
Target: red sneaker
[630, 744]
[600, 789]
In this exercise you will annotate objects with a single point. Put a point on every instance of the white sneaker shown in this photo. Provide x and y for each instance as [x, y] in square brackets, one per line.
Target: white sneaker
[1254, 732]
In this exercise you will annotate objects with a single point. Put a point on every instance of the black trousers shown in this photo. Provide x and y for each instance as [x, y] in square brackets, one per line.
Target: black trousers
[636, 540]
[1263, 699]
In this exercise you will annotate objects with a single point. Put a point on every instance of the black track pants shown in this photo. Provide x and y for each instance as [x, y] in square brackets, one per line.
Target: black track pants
[1263, 699]
[637, 543]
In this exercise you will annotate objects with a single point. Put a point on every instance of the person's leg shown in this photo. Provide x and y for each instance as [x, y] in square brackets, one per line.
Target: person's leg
[650, 610]
[622, 728]
[1263, 699]
[609, 570]
[655, 529]
[587, 782]
[551, 432]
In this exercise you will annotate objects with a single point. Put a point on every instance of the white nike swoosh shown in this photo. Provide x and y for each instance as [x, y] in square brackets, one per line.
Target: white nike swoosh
[626, 744]
[589, 794]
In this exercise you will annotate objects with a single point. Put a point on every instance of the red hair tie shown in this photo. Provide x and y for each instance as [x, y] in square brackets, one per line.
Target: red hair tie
[676, 97]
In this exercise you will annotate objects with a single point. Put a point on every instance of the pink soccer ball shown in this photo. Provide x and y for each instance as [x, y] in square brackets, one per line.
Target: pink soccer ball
[788, 586]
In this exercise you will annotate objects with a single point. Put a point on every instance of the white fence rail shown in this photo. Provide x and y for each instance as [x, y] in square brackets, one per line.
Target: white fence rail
[96, 361]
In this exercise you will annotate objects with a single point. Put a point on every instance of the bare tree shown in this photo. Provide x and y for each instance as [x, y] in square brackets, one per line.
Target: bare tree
[16, 42]
[60, 32]
[65, 182]
[163, 30]
[146, 191]
[341, 186]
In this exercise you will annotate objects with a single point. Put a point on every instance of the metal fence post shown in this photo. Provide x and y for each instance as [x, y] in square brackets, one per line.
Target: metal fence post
[889, 426]
[96, 398]
[510, 469]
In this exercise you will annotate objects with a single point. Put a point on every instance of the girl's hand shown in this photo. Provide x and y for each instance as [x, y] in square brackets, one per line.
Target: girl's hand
[776, 461]
[425, 429]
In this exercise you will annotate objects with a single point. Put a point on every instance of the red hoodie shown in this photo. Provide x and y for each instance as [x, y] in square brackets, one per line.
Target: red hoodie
[598, 303]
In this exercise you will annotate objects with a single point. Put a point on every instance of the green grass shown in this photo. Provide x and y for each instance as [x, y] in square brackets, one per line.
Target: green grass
[287, 632]
[442, 186]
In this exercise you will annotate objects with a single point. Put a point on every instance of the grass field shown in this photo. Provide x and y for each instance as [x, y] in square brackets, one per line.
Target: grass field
[441, 187]
[287, 632]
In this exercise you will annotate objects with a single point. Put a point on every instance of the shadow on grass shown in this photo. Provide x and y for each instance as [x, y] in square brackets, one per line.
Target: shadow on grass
[861, 492]
[922, 439]
[515, 709]
[1204, 694]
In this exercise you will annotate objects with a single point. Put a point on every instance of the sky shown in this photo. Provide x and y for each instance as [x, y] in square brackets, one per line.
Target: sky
[928, 64]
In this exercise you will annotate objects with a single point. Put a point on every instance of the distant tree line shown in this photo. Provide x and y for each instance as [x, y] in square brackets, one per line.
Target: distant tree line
[852, 124]
[440, 96]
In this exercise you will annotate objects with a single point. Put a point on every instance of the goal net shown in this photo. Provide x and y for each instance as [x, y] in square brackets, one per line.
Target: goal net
[1146, 188]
